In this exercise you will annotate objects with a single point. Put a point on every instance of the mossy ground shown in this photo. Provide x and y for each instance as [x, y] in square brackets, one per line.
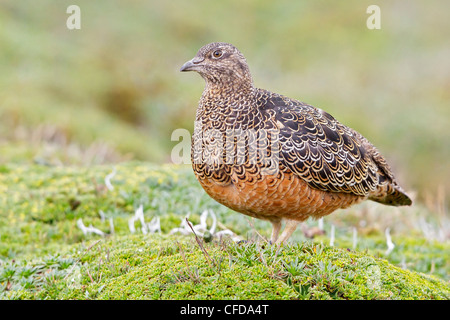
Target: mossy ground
[176, 267]
[45, 255]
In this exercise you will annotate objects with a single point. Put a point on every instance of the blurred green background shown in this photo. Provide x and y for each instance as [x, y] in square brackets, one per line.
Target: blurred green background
[112, 91]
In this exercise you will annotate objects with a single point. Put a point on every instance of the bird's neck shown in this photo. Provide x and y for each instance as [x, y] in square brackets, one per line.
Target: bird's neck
[234, 95]
[227, 84]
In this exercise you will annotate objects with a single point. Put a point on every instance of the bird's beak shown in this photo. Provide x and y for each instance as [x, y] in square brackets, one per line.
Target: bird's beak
[191, 65]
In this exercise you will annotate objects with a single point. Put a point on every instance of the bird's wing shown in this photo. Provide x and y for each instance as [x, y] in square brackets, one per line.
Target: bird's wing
[326, 154]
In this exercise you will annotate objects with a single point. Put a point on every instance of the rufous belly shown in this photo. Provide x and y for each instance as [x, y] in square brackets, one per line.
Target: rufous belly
[276, 197]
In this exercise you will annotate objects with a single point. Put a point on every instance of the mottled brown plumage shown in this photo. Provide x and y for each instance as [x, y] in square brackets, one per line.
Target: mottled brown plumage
[271, 157]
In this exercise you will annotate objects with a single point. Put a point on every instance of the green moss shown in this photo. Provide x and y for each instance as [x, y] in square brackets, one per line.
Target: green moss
[45, 255]
[168, 267]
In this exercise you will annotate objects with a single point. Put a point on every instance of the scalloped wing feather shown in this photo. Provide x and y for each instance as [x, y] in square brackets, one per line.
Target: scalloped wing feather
[329, 155]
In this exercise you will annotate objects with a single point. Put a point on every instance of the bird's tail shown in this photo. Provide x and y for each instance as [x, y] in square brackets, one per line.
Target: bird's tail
[392, 195]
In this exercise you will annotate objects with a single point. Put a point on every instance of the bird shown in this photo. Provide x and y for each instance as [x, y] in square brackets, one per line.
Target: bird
[274, 158]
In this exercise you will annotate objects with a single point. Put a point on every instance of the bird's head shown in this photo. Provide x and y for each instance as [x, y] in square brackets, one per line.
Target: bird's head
[220, 64]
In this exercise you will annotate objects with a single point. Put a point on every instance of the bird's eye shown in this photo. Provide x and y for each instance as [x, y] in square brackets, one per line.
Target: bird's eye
[217, 54]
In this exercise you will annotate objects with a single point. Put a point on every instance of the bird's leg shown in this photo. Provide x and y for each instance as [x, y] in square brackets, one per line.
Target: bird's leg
[276, 226]
[291, 225]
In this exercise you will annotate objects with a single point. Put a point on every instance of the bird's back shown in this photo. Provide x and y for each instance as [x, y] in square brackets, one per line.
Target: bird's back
[326, 154]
